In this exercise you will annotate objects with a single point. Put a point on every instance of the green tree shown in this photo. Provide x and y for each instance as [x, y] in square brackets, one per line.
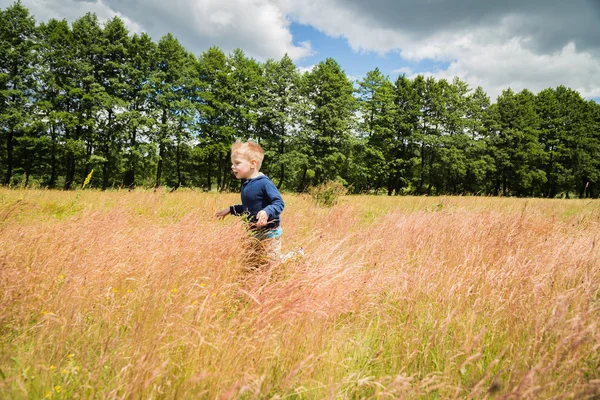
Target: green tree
[139, 118]
[54, 103]
[375, 133]
[85, 92]
[451, 165]
[403, 148]
[592, 187]
[518, 154]
[480, 167]
[216, 132]
[113, 98]
[246, 85]
[553, 138]
[581, 140]
[429, 131]
[331, 105]
[169, 82]
[18, 62]
[184, 114]
[279, 118]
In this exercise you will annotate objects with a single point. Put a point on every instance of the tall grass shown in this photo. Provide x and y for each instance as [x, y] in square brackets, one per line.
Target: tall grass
[143, 295]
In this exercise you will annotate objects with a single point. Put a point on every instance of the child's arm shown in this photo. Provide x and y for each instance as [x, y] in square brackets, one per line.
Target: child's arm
[223, 213]
[274, 208]
[235, 210]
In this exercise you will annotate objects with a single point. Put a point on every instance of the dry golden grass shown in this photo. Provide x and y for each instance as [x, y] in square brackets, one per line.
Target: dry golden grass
[142, 295]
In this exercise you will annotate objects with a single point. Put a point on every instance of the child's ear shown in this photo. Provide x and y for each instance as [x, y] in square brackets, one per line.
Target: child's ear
[254, 163]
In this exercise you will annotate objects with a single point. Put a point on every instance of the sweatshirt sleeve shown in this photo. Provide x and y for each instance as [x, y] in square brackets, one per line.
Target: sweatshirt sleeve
[276, 202]
[236, 210]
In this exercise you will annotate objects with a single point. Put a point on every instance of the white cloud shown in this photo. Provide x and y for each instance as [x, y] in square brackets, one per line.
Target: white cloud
[303, 70]
[496, 66]
[531, 44]
[258, 27]
[44, 10]
[404, 71]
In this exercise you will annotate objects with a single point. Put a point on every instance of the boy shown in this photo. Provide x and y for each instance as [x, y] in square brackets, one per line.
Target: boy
[261, 202]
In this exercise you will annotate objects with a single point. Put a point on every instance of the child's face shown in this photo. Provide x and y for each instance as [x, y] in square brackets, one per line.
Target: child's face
[242, 167]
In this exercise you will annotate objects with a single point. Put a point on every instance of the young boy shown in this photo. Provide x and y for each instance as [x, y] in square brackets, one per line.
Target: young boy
[261, 203]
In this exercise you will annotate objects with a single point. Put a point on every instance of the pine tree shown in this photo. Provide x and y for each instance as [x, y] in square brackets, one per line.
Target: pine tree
[279, 118]
[18, 62]
[113, 98]
[53, 100]
[329, 117]
[480, 168]
[139, 118]
[216, 131]
[169, 82]
[371, 152]
[85, 92]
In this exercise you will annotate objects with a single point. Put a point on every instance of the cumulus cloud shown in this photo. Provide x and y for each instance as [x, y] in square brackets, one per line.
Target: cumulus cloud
[44, 10]
[258, 27]
[304, 70]
[520, 44]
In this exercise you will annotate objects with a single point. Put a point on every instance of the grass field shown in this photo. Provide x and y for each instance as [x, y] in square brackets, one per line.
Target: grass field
[114, 295]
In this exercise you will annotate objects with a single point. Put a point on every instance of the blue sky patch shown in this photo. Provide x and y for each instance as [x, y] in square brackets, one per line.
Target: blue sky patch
[355, 64]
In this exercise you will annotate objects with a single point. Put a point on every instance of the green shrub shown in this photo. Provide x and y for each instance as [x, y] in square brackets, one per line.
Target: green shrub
[328, 193]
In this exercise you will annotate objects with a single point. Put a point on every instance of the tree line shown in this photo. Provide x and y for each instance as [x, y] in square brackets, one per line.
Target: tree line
[83, 97]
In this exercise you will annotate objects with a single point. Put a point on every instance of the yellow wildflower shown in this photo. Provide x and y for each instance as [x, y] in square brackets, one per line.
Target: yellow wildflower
[87, 179]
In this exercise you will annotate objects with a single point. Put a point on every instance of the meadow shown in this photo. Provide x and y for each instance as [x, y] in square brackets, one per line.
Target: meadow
[142, 295]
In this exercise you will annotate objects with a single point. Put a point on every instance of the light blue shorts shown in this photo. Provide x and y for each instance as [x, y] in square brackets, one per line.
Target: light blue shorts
[271, 234]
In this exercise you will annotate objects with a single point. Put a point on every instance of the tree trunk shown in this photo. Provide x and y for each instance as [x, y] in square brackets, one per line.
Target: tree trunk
[53, 173]
[178, 163]
[390, 185]
[161, 149]
[551, 182]
[9, 159]
[301, 186]
[27, 174]
[422, 178]
[219, 172]
[70, 161]
[107, 156]
[208, 174]
[222, 174]
[282, 170]
[70, 171]
[129, 178]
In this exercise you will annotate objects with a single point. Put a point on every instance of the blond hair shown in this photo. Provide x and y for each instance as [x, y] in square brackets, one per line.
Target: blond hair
[249, 150]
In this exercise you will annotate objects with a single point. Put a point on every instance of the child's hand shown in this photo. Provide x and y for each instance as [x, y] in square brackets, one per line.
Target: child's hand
[223, 213]
[261, 218]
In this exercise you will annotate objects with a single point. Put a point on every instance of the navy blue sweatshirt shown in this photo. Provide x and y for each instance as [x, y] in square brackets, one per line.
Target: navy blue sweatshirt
[260, 194]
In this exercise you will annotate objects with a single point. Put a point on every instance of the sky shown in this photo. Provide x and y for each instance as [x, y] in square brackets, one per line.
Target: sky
[517, 44]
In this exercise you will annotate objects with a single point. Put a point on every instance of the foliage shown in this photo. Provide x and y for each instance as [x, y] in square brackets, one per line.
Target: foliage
[89, 95]
[327, 193]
